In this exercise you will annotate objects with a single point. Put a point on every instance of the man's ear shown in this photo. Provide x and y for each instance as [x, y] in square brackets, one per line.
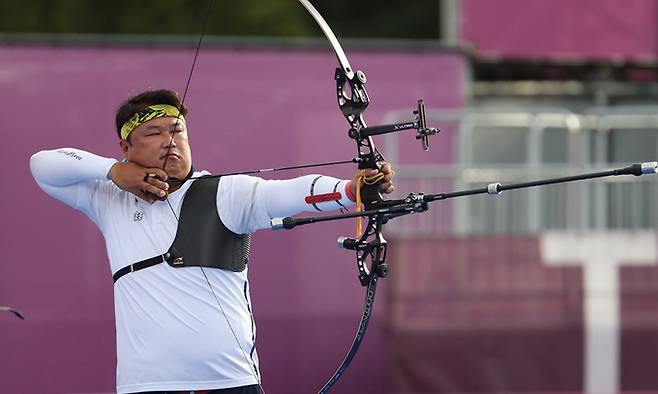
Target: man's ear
[125, 146]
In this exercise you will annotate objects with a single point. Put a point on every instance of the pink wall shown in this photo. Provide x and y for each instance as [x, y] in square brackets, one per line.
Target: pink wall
[488, 315]
[562, 29]
[248, 109]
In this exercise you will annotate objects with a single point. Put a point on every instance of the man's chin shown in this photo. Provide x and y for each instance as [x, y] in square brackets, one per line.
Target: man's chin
[177, 171]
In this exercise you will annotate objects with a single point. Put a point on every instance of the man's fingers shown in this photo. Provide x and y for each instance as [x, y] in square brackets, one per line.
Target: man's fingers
[148, 184]
[156, 187]
[371, 172]
[386, 187]
[384, 167]
[157, 173]
[156, 191]
[388, 177]
[386, 181]
[158, 183]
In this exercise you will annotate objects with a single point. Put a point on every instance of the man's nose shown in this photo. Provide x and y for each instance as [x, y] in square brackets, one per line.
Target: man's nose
[171, 139]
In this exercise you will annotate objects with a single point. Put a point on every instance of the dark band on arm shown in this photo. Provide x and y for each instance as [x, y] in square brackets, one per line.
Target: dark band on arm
[340, 205]
[312, 188]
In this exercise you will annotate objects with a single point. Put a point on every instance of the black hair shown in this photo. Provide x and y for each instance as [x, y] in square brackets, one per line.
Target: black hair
[137, 103]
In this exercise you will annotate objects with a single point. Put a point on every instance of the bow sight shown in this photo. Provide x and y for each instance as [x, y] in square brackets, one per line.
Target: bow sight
[420, 124]
[353, 106]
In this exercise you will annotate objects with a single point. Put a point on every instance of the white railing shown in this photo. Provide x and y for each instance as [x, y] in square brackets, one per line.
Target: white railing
[518, 145]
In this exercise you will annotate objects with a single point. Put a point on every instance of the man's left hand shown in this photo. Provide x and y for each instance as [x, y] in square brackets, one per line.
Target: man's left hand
[385, 185]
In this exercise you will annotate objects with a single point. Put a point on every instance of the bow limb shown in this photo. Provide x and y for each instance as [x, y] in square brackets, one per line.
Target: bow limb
[342, 59]
[353, 100]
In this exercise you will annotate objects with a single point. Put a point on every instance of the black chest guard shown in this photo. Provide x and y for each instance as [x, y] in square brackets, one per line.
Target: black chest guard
[201, 237]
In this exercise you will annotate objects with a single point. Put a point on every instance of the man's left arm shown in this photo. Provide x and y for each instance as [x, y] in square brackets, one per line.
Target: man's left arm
[246, 204]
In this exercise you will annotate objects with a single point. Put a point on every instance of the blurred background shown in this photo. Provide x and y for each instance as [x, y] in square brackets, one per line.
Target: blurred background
[547, 290]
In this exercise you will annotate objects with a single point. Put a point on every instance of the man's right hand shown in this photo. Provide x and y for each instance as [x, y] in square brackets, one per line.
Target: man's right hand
[149, 184]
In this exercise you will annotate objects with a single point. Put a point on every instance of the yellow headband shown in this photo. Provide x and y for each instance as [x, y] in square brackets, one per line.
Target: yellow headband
[148, 113]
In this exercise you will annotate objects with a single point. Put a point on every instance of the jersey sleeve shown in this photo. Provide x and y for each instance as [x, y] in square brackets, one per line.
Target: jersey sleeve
[73, 177]
[246, 204]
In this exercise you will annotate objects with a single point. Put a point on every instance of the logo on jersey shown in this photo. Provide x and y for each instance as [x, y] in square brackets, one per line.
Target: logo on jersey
[138, 215]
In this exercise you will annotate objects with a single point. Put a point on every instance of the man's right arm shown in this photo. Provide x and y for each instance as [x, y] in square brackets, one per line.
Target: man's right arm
[67, 173]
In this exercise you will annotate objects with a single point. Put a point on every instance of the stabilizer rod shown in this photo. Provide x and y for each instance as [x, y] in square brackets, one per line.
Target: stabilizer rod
[418, 202]
[639, 169]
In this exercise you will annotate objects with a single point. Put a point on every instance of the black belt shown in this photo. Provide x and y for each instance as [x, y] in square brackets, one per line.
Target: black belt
[141, 265]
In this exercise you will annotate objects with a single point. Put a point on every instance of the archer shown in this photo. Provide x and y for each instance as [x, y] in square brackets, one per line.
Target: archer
[180, 327]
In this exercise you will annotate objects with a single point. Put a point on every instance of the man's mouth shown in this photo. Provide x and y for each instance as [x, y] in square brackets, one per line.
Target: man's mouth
[170, 155]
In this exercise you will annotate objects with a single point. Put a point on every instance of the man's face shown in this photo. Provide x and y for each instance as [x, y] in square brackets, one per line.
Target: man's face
[149, 143]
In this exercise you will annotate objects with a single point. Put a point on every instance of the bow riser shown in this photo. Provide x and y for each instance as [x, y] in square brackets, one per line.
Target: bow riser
[374, 249]
[354, 104]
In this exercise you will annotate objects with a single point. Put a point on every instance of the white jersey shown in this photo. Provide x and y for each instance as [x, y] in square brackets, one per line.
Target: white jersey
[171, 333]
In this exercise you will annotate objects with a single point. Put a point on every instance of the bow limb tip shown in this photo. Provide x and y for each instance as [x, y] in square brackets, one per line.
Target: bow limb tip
[16, 312]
